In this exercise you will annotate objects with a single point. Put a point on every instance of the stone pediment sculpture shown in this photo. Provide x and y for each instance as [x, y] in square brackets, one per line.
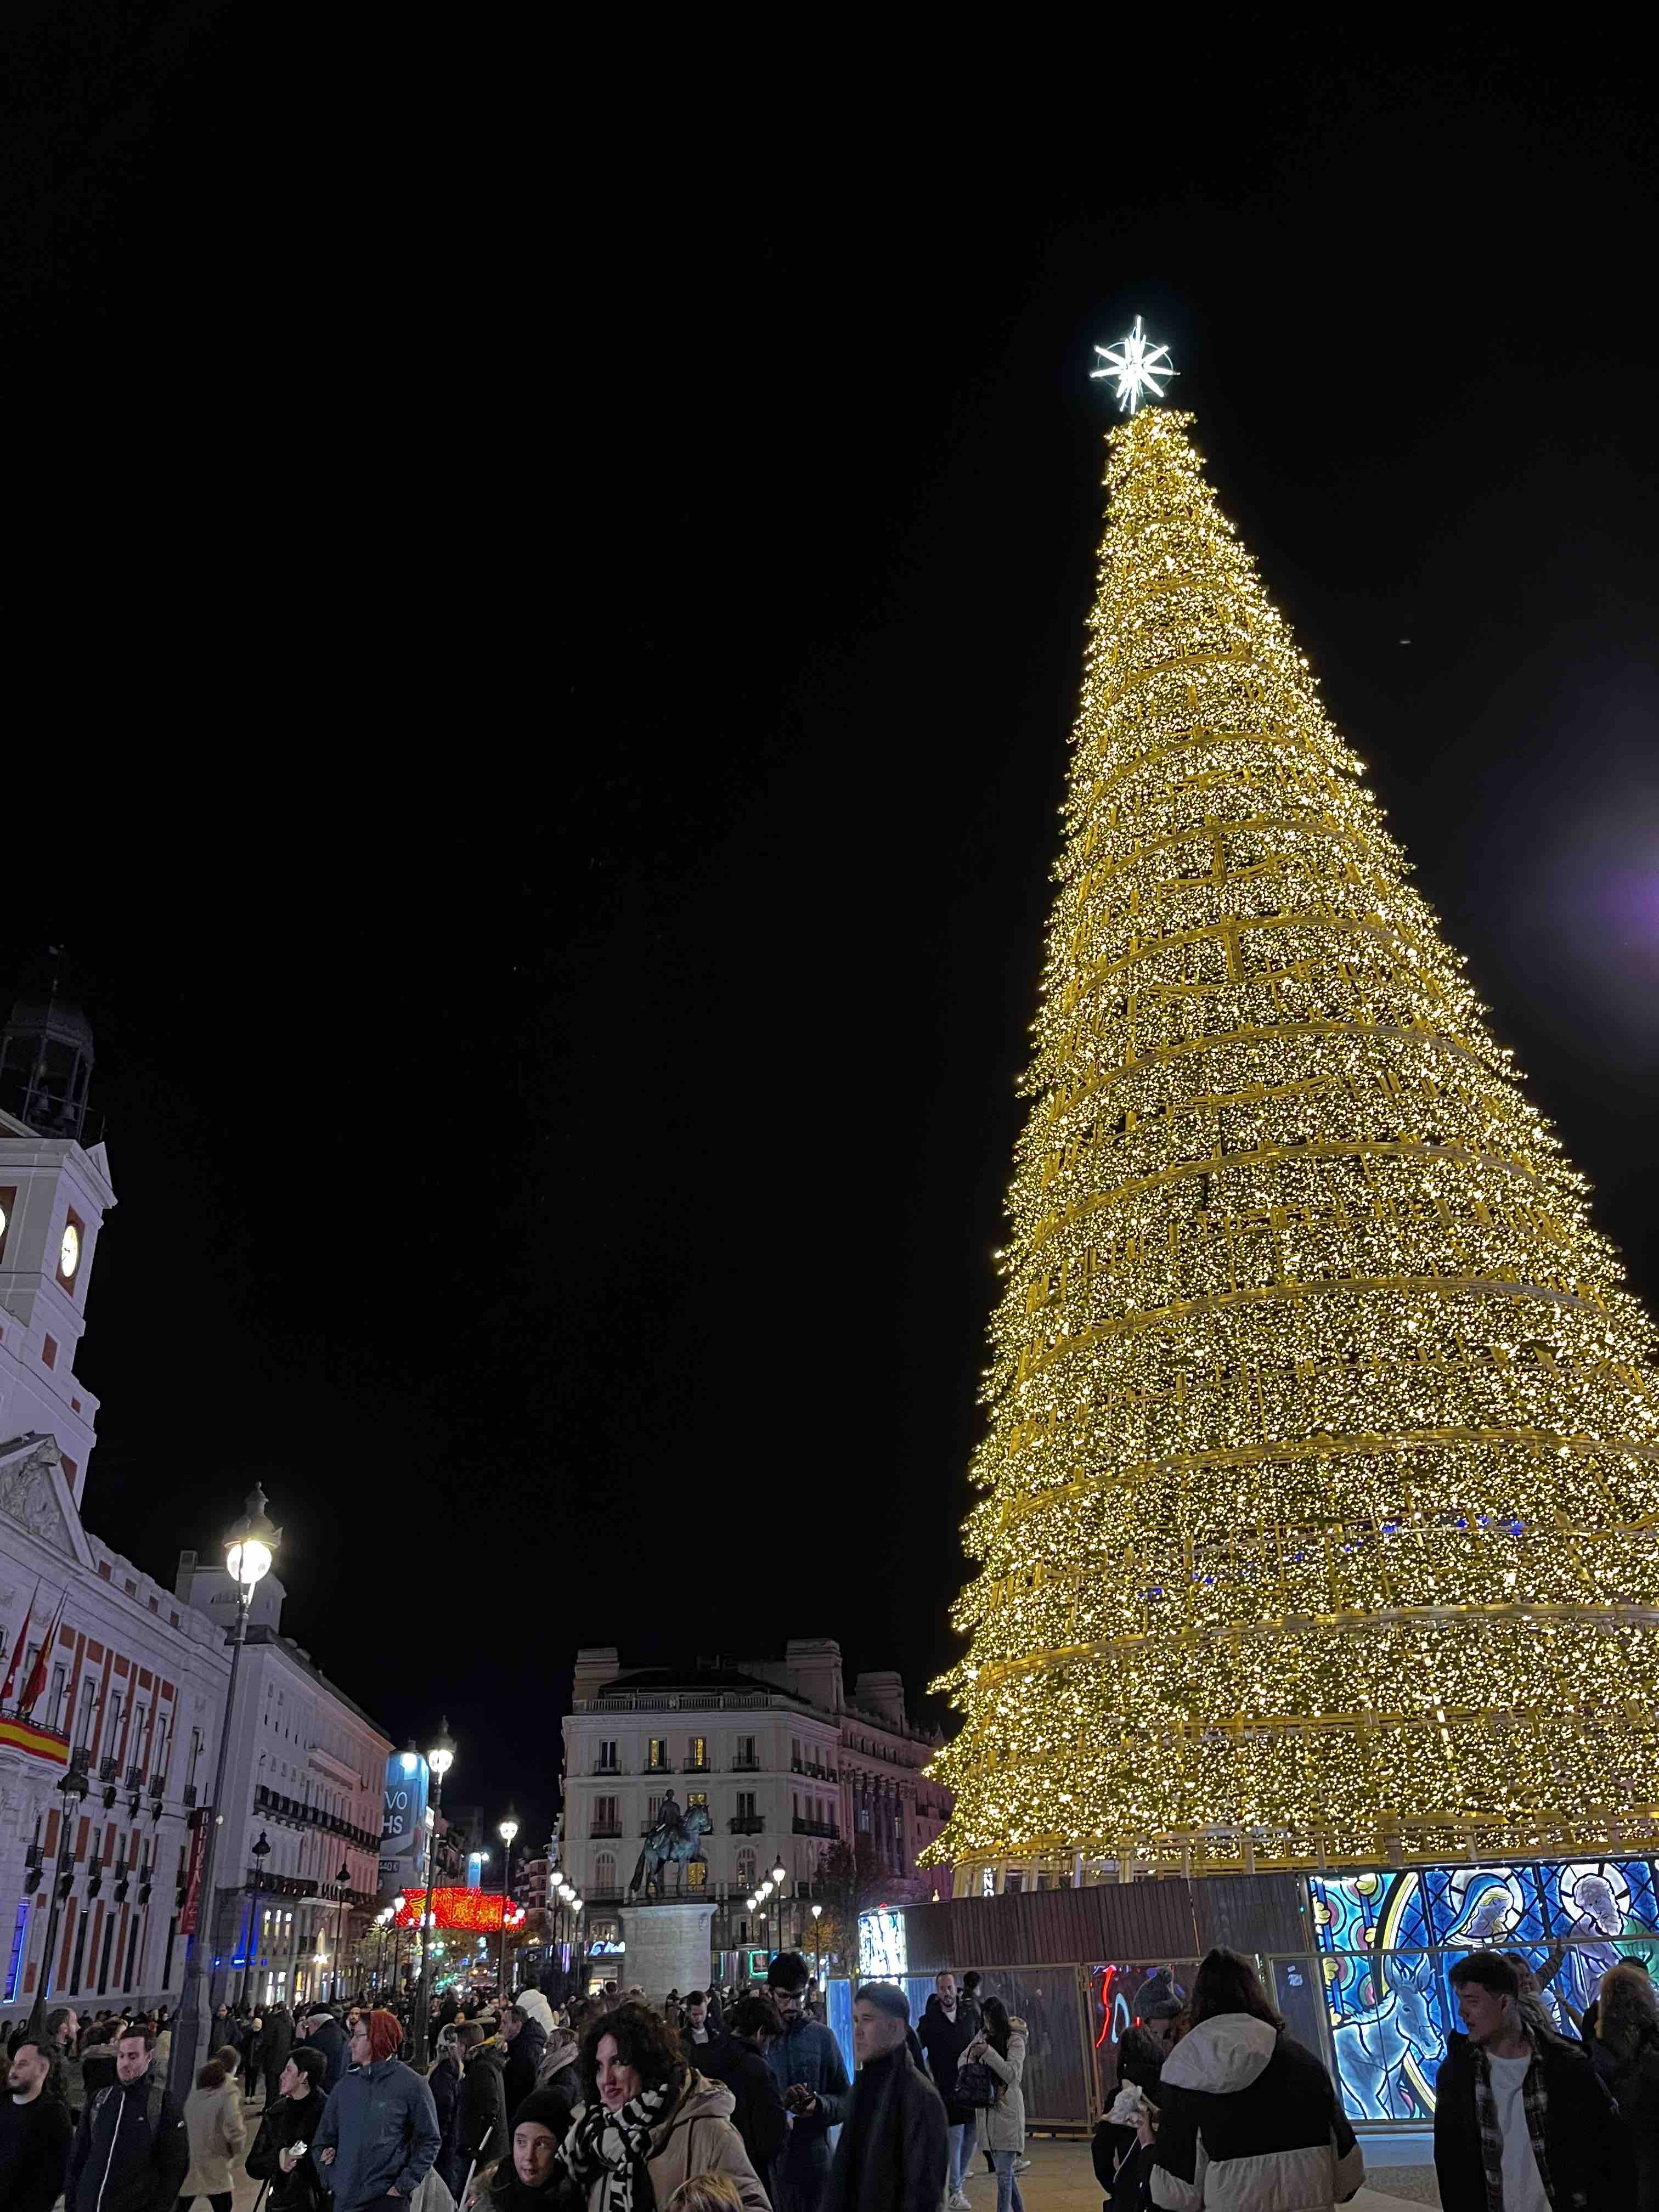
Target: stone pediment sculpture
[32, 1491]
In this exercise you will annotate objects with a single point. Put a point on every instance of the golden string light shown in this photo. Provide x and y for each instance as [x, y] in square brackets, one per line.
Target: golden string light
[1320, 1511]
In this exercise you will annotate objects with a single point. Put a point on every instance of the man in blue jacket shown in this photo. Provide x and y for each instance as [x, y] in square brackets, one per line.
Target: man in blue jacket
[805, 2063]
[379, 2133]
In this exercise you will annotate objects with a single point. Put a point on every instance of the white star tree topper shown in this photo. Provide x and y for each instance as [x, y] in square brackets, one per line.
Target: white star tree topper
[1137, 365]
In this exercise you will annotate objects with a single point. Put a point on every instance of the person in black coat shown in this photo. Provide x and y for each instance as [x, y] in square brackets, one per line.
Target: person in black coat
[444, 2082]
[736, 2058]
[274, 2050]
[944, 2033]
[891, 2154]
[1122, 2146]
[324, 2033]
[1587, 2147]
[292, 2120]
[483, 2100]
[1627, 2034]
[525, 2039]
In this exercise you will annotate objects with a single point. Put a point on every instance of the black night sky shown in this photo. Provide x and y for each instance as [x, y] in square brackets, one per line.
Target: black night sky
[541, 616]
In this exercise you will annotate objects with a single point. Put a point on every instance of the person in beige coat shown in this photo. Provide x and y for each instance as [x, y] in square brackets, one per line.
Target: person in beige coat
[649, 2121]
[213, 2121]
[999, 2127]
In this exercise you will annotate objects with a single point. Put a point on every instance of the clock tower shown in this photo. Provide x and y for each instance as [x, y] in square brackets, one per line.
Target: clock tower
[54, 1192]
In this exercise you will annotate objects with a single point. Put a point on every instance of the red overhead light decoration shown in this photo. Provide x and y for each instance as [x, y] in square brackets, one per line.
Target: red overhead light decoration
[478, 1911]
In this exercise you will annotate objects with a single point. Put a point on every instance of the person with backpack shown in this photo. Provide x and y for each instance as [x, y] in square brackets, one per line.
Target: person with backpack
[130, 2152]
[990, 2075]
[1248, 2117]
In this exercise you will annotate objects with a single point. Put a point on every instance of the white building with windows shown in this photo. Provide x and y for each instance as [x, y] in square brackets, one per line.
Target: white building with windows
[305, 1777]
[784, 1763]
[134, 1675]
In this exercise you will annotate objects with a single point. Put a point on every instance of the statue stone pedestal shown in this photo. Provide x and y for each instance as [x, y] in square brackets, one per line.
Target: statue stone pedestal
[668, 1945]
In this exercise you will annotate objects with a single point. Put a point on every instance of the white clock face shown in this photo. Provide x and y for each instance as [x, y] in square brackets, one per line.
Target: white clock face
[70, 1257]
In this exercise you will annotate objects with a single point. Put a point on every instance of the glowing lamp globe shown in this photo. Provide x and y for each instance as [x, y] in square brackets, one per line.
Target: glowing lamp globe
[249, 1546]
[507, 1830]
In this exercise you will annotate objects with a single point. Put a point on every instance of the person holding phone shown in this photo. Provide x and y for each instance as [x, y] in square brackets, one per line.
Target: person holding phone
[281, 2150]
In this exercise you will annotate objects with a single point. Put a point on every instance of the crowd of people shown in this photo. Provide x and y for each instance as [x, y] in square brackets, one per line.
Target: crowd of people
[737, 2100]
[721, 2101]
[1216, 2105]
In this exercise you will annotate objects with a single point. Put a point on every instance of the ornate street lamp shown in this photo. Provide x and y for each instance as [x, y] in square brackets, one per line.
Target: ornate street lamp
[818, 1963]
[248, 1549]
[438, 1759]
[261, 1852]
[507, 1830]
[72, 1787]
[779, 1877]
[342, 1880]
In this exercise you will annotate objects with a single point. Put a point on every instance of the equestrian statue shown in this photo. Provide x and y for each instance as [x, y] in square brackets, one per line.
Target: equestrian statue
[677, 1835]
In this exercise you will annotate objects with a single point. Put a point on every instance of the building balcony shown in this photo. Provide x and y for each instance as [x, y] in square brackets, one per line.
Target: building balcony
[610, 1831]
[281, 1884]
[817, 1828]
[747, 1824]
[744, 1766]
[281, 1808]
[662, 1766]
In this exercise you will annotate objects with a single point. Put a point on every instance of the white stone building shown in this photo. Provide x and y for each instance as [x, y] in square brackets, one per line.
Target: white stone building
[307, 1775]
[784, 1762]
[136, 1675]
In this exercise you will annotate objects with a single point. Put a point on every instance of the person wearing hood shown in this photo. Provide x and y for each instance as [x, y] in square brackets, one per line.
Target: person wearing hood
[945, 2034]
[999, 2126]
[557, 2076]
[652, 2120]
[1247, 2116]
[483, 2100]
[444, 2079]
[1522, 2118]
[1122, 2148]
[525, 2035]
[379, 2133]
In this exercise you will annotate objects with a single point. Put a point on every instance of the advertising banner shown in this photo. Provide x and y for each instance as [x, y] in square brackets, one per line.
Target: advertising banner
[403, 1829]
[198, 1836]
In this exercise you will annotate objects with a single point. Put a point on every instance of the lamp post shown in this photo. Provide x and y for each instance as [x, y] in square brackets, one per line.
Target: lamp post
[818, 1962]
[507, 1830]
[261, 1853]
[779, 1877]
[72, 1786]
[341, 1879]
[438, 1759]
[248, 1549]
[397, 1905]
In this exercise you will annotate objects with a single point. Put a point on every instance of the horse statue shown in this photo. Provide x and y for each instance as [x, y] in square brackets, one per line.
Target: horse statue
[677, 1837]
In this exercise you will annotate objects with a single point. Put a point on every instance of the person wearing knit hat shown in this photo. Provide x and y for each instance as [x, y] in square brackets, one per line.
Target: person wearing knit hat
[530, 2179]
[379, 2133]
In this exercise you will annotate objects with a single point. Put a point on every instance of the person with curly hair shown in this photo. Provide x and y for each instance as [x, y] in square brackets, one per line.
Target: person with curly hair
[1627, 2029]
[653, 2121]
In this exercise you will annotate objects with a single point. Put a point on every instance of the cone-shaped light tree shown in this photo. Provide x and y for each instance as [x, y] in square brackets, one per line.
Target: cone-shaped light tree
[1321, 1512]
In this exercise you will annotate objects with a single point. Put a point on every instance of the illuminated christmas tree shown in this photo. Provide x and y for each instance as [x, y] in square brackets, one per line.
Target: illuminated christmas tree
[1320, 1519]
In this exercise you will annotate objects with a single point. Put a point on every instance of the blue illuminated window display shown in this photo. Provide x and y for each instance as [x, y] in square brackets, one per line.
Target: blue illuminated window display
[1387, 1939]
